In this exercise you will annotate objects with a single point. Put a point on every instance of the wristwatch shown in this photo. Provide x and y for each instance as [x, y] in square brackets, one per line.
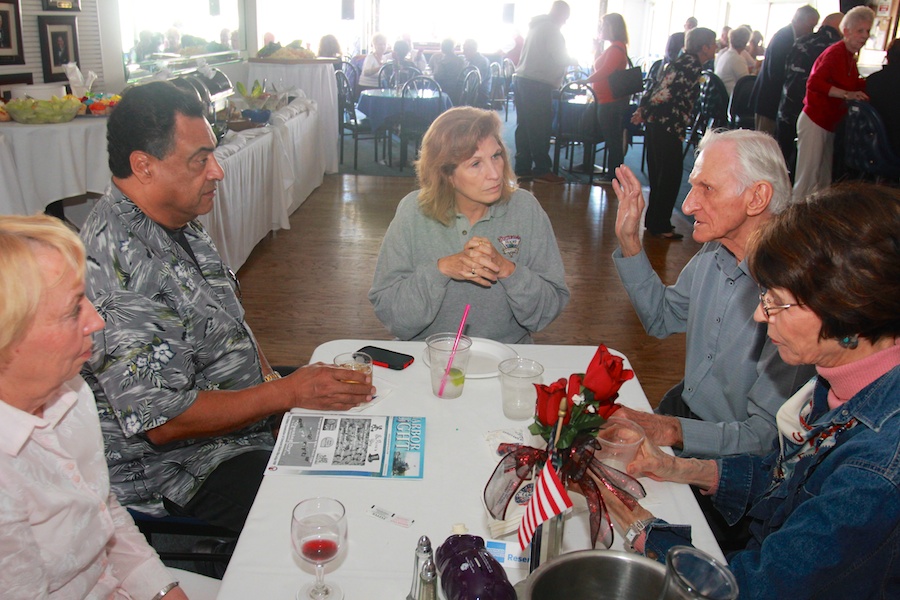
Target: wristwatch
[634, 530]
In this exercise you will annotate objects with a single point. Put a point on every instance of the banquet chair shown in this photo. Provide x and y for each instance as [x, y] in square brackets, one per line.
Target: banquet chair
[499, 95]
[740, 107]
[711, 109]
[352, 73]
[182, 526]
[470, 88]
[575, 97]
[509, 72]
[386, 78]
[867, 149]
[349, 122]
[415, 121]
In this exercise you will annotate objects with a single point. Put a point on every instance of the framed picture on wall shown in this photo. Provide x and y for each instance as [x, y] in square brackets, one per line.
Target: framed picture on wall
[62, 4]
[59, 45]
[11, 52]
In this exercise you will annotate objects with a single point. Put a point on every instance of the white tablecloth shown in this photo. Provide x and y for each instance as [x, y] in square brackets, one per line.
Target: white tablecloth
[45, 163]
[318, 83]
[458, 462]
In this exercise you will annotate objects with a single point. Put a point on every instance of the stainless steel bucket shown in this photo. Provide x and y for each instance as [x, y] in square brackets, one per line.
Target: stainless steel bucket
[595, 575]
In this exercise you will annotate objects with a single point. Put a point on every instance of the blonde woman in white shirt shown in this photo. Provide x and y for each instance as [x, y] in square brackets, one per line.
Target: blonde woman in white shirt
[63, 534]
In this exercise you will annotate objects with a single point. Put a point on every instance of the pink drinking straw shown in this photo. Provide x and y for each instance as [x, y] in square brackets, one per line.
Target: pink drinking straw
[462, 325]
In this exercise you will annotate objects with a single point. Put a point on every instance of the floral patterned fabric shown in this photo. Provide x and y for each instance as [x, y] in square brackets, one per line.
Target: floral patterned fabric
[174, 327]
[670, 101]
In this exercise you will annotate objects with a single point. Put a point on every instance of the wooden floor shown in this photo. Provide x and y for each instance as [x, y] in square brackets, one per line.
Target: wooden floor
[307, 285]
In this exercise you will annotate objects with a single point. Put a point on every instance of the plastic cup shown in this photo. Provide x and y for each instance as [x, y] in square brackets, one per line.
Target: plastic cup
[440, 348]
[619, 439]
[694, 574]
[355, 361]
[517, 378]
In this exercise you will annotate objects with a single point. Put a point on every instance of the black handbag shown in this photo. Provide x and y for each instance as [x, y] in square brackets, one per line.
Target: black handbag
[626, 82]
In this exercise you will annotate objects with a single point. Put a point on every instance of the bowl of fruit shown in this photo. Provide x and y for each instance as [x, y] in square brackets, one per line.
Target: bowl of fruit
[55, 110]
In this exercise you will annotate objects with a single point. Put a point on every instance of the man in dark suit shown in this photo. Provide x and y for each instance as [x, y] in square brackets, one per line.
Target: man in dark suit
[767, 89]
[882, 89]
[60, 50]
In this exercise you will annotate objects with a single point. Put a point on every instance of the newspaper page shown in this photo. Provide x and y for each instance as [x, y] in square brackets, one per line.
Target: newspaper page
[348, 444]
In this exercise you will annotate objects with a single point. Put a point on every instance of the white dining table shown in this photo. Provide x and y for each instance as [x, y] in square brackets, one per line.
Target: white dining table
[378, 560]
[48, 162]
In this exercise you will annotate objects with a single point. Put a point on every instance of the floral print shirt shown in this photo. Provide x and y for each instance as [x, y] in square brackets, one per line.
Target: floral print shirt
[670, 101]
[174, 327]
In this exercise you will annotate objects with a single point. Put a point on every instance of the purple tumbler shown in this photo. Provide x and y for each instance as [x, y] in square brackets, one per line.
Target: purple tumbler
[469, 572]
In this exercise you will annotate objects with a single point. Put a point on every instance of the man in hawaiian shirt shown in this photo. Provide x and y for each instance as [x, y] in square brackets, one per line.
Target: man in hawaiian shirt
[187, 400]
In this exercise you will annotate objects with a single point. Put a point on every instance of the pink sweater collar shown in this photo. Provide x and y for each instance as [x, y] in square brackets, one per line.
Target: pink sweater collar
[848, 380]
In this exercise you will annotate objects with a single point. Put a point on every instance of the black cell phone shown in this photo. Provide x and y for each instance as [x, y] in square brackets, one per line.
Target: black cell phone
[388, 358]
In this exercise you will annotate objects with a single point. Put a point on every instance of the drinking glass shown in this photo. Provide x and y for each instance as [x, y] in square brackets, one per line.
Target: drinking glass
[694, 574]
[355, 361]
[318, 532]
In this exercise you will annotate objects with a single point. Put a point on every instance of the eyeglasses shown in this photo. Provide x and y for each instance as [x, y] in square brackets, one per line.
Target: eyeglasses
[773, 309]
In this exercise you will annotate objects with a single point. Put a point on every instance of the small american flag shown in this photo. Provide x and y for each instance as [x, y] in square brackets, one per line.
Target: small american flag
[548, 500]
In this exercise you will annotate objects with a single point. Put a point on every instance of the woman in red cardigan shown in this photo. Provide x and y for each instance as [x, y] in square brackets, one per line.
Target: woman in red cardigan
[611, 111]
[834, 80]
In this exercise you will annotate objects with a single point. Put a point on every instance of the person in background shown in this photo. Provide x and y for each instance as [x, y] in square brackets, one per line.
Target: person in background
[186, 397]
[676, 41]
[610, 111]
[767, 88]
[882, 87]
[368, 76]
[63, 534]
[734, 380]
[825, 503]
[730, 64]
[538, 76]
[480, 62]
[723, 43]
[468, 236]
[834, 79]
[755, 46]
[515, 53]
[329, 47]
[668, 108]
[797, 67]
[446, 67]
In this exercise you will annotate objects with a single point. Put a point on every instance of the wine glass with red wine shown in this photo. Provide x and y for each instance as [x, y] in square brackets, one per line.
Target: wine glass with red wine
[318, 531]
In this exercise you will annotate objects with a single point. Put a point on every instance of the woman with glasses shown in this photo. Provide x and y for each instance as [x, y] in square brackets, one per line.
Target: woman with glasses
[825, 505]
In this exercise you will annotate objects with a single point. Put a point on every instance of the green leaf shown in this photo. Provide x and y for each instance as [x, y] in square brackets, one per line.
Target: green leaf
[241, 88]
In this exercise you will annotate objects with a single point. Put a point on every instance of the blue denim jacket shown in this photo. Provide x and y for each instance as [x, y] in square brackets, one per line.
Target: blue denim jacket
[831, 530]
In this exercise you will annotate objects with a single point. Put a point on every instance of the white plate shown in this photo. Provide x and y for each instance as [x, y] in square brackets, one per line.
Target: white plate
[484, 357]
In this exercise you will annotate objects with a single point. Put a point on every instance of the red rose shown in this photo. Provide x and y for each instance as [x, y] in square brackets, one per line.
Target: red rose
[548, 399]
[605, 375]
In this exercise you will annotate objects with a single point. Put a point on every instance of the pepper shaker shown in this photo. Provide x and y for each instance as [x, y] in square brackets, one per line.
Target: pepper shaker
[428, 581]
[423, 553]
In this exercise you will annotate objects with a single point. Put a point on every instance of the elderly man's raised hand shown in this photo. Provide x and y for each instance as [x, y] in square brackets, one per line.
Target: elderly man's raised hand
[324, 387]
[631, 208]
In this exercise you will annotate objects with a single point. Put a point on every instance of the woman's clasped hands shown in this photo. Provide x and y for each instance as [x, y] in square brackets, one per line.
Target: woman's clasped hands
[479, 262]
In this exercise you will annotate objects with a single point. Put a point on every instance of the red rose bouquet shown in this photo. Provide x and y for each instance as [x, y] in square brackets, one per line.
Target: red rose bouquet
[568, 415]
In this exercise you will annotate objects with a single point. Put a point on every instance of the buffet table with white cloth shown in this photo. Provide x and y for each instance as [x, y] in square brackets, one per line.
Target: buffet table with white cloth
[316, 78]
[377, 563]
[48, 162]
[269, 172]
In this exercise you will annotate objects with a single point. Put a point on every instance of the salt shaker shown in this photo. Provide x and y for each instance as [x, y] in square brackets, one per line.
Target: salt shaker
[423, 553]
[428, 581]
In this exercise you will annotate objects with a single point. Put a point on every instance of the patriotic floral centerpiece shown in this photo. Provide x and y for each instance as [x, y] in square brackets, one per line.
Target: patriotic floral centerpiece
[568, 416]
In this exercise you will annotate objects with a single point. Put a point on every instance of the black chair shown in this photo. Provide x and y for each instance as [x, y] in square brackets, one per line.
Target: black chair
[509, 73]
[498, 86]
[414, 121]
[386, 75]
[654, 71]
[867, 149]
[470, 88]
[390, 75]
[348, 122]
[712, 108]
[352, 73]
[171, 525]
[740, 107]
[575, 98]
